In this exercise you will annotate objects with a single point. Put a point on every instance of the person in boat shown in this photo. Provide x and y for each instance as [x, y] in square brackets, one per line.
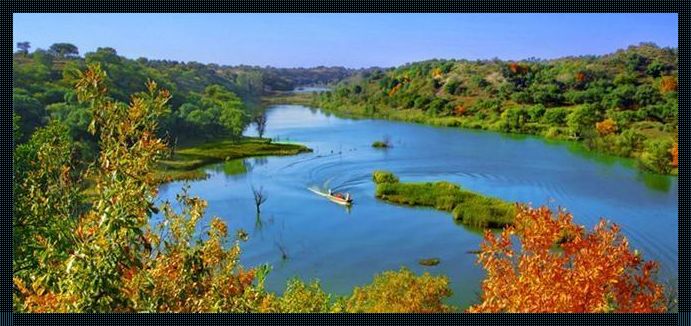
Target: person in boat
[330, 192]
[347, 198]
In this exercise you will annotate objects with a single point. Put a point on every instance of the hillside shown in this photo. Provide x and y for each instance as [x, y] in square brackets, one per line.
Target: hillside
[624, 103]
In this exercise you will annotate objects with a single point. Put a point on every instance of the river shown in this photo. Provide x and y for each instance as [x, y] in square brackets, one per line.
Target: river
[346, 248]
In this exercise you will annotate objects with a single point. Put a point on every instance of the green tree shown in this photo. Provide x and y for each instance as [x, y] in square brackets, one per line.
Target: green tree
[657, 156]
[24, 47]
[64, 50]
[581, 121]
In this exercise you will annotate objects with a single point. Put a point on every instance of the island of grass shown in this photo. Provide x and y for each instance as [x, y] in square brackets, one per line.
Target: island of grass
[380, 144]
[466, 207]
[185, 163]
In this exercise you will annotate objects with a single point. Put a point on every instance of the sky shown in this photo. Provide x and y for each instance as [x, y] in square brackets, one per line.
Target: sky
[351, 40]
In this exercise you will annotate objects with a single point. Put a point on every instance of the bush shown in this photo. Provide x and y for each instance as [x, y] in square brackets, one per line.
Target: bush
[401, 292]
[384, 177]
[556, 116]
[657, 156]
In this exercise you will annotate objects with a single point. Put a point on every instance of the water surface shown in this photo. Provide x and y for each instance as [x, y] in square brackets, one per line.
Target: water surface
[346, 248]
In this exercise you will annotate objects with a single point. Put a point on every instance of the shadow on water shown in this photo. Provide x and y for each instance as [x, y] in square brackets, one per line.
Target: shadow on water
[655, 181]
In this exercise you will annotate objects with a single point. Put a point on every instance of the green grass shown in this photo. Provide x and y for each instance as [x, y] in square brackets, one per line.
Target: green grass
[465, 206]
[185, 164]
[287, 98]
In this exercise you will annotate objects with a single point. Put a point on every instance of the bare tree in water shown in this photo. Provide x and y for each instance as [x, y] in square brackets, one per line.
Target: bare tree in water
[260, 123]
[259, 197]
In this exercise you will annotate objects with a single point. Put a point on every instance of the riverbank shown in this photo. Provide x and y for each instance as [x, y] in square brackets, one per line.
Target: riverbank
[185, 163]
[275, 98]
[647, 143]
[465, 206]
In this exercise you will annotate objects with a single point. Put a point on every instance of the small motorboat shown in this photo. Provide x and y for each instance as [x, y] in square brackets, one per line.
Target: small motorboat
[336, 197]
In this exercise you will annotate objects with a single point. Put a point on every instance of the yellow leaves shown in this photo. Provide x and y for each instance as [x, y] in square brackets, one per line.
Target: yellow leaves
[401, 291]
[606, 127]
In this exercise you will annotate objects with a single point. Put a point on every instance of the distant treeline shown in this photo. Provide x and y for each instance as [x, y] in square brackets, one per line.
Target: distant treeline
[624, 103]
[209, 100]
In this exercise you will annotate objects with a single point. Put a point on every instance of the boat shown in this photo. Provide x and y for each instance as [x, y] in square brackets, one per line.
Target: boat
[336, 197]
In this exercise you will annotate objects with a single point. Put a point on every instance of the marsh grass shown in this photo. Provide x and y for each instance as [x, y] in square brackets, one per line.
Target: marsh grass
[185, 164]
[465, 206]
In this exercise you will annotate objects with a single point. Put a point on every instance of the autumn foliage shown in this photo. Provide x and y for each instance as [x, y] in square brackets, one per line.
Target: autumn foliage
[518, 68]
[112, 256]
[561, 267]
[606, 127]
[675, 154]
[668, 84]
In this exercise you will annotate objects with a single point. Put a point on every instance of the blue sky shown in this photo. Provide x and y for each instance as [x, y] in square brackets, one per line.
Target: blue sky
[352, 40]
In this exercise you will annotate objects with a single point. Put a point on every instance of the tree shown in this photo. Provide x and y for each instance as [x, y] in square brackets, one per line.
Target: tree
[675, 154]
[64, 50]
[581, 120]
[259, 197]
[606, 127]
[24, 47]
[260, 120]
[657, 156]
[561, 267]
[668, 84]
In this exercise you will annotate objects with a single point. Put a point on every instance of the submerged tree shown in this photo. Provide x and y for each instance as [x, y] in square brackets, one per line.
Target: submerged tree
[259, 197]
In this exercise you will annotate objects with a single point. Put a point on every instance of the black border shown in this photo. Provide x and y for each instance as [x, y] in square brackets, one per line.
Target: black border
[682, 7]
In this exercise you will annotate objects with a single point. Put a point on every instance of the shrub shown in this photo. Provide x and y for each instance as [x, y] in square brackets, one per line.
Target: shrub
[384, 177]
[401, 292]
[606, 127]
[657, 156]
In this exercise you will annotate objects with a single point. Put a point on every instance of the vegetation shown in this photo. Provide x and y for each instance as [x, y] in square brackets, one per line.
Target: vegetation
[465, 206]
[429, 261]
[593, 271]
[210, 101]
[106, 255]
[617, 103]
[186, 162]
[384, 143]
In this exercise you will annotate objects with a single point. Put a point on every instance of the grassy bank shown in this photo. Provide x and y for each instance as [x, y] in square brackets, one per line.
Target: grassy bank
[275, 98]
[649, 143]
[465, 206]
[185, 163]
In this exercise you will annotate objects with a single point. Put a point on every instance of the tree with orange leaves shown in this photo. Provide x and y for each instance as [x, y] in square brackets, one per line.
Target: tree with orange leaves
[606, 127]
[675, 154]
[561, 267]
[668, 84]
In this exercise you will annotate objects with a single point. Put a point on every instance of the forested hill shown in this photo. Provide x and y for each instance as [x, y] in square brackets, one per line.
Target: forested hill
[207, 98]
[624, 103]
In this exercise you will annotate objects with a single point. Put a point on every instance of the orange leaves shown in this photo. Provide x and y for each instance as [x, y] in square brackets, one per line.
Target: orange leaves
[395, 89]
[675, 154]
[561, 267]
[460, 110]
[668, 84]
[518, 68]
[581, 76]
[606, 127]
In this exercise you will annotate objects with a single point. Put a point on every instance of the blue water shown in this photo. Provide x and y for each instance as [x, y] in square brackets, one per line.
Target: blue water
[346, 248]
